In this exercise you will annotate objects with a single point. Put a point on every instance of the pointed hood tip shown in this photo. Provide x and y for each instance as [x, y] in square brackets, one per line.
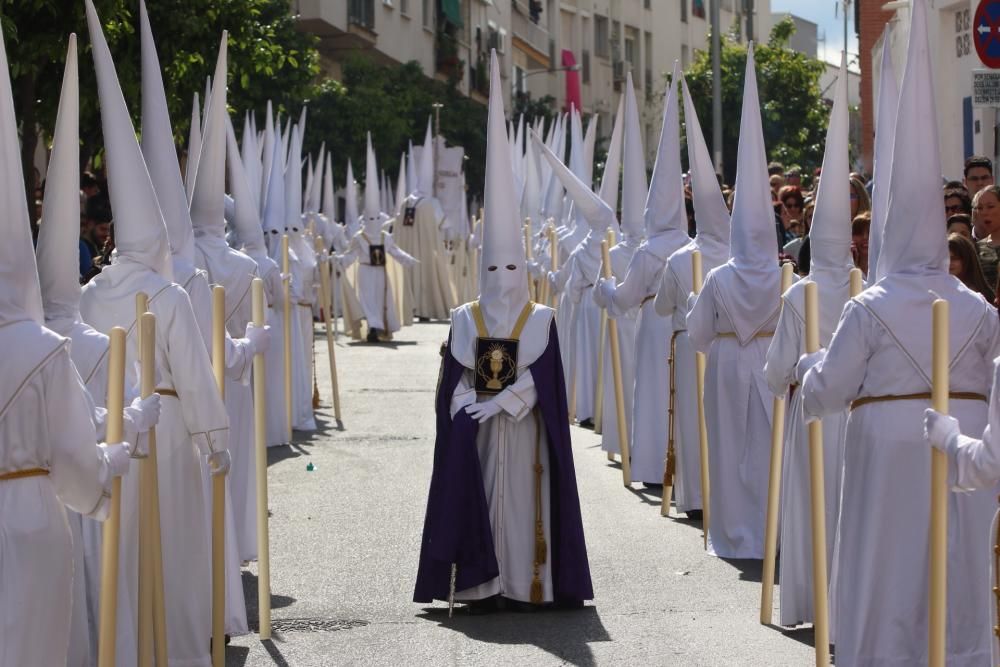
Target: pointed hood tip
[634, 188]
[710, 209]
[207, 200]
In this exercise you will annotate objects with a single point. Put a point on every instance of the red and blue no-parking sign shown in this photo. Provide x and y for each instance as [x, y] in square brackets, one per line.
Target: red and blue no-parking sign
[986, 32]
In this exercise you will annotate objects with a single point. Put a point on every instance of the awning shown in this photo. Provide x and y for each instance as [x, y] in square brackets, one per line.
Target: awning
[452, 11]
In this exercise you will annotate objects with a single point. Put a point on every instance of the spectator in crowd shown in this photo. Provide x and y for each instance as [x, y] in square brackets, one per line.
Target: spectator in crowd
[794, 177]
[951, 185]
[986, 222]
[775, 168]
[860, 226]
[964, 265]
[777, 182]
[860, 201]
[89, 186]
[956, 201]
[960, 224]
[791, 208]
[978, 173]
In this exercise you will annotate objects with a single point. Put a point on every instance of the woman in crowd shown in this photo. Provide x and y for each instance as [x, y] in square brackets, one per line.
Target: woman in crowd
[964, 265]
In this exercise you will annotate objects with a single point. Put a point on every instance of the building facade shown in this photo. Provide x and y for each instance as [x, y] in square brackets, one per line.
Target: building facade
[546, 47]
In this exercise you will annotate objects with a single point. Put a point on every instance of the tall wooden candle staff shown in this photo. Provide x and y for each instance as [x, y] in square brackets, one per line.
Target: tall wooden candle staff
[938, 589]
[773, 488]
[260, 453]
[699, 365]
[287, 288]
[219, 489]
[324, 286]
[112, 526]
[616, 370]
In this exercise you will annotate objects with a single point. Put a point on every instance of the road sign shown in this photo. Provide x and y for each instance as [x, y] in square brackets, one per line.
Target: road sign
[985, 88]
[986, 32]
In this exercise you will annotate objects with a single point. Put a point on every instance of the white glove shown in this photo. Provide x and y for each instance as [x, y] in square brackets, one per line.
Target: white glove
[259, 337]
[552, 278]
[603, 290]
[483, 411]
[118, 458]
[807, 361]
[941, 431]
[219, 462]
[286, 277]
[143, 414]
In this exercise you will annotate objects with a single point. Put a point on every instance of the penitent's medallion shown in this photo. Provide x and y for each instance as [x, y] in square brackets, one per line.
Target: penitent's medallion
[496, 364]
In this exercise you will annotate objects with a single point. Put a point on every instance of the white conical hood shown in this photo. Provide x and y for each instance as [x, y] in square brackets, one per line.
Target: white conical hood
[912, 241]
[293, 185]
[753, 241]
[194, 147]
[140, 233]
[613, 162]
[383, 192]
[250, 157]
[425, 174]
[401, 186]
[634, 188]
[274, 203]
[503, 271]
[552, 205]
[411, 171]
[373, 207]
[316, 193]
[830, 233]
[58, 250]
[267, 156]
[885, 133]
[577, 149]
[586, 202]
[208, 200]
[307, 196]
[531, 199]
[158, 148]
[589, 144]
[351, 212]
[329, 201]
[245, 217]
[710, 212]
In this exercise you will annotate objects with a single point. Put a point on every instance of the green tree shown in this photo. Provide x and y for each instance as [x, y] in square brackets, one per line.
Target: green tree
[793, 113]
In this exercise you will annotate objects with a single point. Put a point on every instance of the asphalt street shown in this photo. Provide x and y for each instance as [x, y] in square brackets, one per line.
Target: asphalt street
[346, 535]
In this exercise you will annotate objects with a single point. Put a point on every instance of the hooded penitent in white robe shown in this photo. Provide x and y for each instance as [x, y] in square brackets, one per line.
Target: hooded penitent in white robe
[193, 423]
[830, 238]
[882, 347]
[669, 215]
[732, 320]
[45, 424]
[347, 304]
[431, 291]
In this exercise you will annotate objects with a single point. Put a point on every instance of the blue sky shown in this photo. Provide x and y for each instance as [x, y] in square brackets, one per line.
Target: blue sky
[827, 15]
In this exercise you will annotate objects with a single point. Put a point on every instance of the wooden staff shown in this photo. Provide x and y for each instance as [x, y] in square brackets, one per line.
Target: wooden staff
[532, 287]
[599, 388]
[260, 452]
[616, 371]
[286, 286]
[773, 488]
[857, 282]
[821, 626]
[330, 348]
[938, 589]
[699, 365]
[670, 460]
[112, 527]
[554, 252]
[219, 488]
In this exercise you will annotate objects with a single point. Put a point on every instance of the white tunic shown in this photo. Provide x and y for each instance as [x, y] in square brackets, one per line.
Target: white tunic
[582, 272]
[738, 416]
[506, 445]
[431, 292]
[788, 344]
[879, 596]
[190, 426]
[375, 289]
[44, 423]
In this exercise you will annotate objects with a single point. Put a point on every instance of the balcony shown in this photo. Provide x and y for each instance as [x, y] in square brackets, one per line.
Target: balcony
[528, 36]
[342, 27]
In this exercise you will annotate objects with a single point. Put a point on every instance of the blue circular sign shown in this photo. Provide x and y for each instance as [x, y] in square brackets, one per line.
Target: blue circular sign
[986, 32]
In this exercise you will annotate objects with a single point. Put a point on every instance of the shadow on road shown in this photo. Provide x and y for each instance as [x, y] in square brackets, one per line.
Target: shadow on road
[250, 595]
[750, 568]
[564, 634]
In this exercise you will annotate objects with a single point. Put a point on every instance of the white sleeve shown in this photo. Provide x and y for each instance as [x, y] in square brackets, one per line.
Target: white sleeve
[783, 353]
[666, 301]
[701, 318]
[976, 463]
[464, 396]
[518, 399]
[634, 287]
[833, 383]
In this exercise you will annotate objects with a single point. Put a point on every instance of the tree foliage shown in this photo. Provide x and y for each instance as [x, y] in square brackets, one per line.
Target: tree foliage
[793, 113]
[394, 104]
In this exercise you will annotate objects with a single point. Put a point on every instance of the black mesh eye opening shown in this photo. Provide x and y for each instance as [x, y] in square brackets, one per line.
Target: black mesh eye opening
[511, 267]
[491, 268]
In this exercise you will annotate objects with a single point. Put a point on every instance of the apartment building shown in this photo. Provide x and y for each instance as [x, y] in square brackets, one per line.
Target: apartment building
[572, 50]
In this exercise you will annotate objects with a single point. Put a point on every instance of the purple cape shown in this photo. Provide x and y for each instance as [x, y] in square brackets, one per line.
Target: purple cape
[457, 525]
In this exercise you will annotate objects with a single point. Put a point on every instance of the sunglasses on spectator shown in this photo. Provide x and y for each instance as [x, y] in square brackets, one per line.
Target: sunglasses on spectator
[953, 209]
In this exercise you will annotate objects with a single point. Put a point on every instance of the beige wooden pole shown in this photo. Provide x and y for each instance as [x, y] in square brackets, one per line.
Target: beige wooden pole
[554, 253]
[938, 589]
[532, 287]
[286, 286]
[112, 526]
[219, 489]
[821, 626]
[857, 282]
[330, 347]
[699, 364]
[599, 388]
[260, 452]
[773, 488]
[152, 608]
[616, 370]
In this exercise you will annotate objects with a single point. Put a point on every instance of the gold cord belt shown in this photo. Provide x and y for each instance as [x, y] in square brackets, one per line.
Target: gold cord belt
[166, 392]
[996, 574]
[304, 304]
[670, 463]
[646, 300]
[20, 474]
[922, 396]
[732, 334]
[537, 594]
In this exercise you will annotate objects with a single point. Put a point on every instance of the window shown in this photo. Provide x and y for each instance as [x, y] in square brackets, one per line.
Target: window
[684, 11]
[601, 38]
[428, 12]
[632, 53]
[404, 7]
[387, 3]
[685, 57]
[585, 66]
[647, 4]
[647, 54]
[519, 85]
